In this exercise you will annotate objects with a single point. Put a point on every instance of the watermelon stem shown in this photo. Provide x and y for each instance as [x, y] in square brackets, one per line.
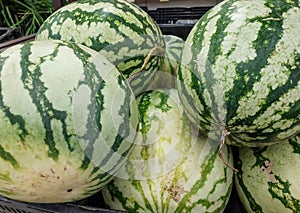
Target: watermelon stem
[225, 133]
[154, 50]
[157, 50]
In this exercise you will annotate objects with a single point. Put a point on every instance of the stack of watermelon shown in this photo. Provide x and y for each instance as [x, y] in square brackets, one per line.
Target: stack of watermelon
[103, 102]
[68, 115]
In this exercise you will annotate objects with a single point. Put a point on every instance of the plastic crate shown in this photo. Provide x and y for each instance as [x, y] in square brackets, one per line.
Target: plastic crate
[12, 206]
[180, 30]
[92, 204]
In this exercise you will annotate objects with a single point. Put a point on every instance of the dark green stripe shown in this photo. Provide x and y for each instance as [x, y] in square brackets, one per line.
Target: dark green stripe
[140, 82]
[114, 149]
[175, 57]
[136, 62]
[268, 36]
[295, 143]
[143, 106]
[146, 101]
[85, 162]
[224, 199]
[8, 157]
[260, 159]
[116, 193]
[79, 17]
[124, 128]
[93, 130]
[124, 6]
[141, 28]
[108, 174]
[252, 202]
[99, 15]
[163, 104]
[133, 184]
[138, 186]
[37, 90]
[105, 175]
[184, 92]
[198, 87]
[196, 39]
[173, 42]
[281, 191]
[99, 181]
[13, 119]
[93, 124]
[275, 95]
[94, 81]
[215, 50]
[207, 167]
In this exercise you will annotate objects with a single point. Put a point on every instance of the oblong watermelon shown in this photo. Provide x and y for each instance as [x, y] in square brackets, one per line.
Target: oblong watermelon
[240, 71]
[268, 178]
[170, 169]
[67, 119]
[120, 30]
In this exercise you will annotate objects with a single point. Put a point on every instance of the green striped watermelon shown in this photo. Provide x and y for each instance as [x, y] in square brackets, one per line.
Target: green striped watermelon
[67, 119]
[120, 30]
[170, 169]
[240, 71]
[166, 76]
[268, 180]
[173, 49]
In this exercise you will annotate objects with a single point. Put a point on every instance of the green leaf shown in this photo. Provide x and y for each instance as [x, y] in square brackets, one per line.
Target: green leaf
[27, 15]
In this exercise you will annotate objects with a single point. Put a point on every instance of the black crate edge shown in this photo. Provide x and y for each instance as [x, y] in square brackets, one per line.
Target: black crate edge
[12, 206]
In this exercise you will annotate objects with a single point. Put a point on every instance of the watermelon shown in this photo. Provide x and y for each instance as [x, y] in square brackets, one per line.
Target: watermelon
[166, 76]
[173, 49]
[239, 77]
[170, 169]
[120, 30]
[68, 119]
[268, 178]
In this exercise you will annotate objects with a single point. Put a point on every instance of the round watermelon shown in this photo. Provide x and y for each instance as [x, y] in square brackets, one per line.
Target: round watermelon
[120, 30]
[239, 77]
[166, 76]
[268, 178]
[67, 119]
[171, 58]
[171, 168]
